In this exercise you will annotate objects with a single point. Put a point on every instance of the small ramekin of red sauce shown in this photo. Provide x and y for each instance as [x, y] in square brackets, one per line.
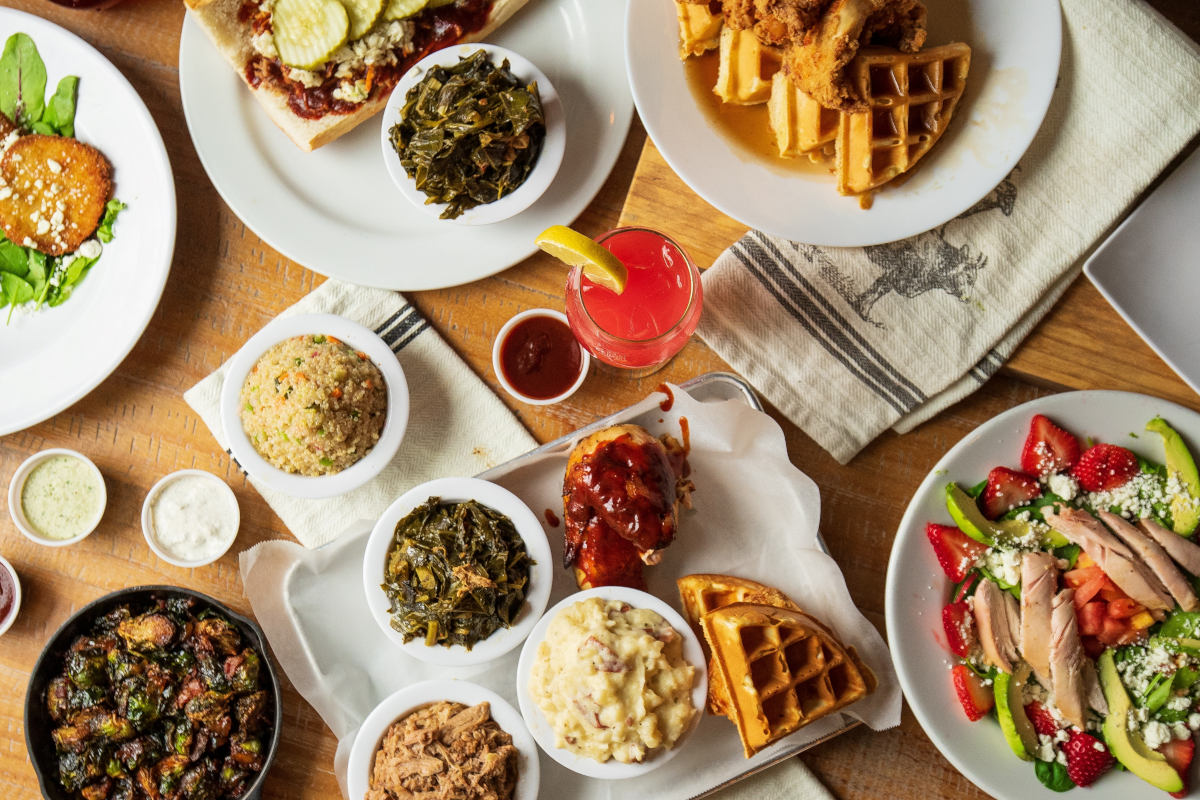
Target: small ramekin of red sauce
[10, 595]
[537, 359]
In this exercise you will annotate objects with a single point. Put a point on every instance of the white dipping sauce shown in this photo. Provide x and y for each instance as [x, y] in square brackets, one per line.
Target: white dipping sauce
[193, 518]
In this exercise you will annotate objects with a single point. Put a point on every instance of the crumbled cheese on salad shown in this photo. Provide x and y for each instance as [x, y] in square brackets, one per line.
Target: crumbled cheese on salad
[1063, 485]
[1004, 564]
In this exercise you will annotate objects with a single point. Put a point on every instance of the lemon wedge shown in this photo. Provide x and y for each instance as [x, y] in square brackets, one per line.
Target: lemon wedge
[576, 250]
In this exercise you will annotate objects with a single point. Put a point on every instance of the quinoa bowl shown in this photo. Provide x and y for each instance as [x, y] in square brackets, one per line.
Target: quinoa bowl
[314, 405]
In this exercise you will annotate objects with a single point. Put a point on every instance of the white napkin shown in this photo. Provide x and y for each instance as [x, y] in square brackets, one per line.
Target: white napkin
[456, 425]
[848, 342]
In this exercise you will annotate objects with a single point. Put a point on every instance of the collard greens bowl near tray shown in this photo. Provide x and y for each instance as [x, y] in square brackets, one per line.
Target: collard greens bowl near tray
[39, 725]
[358, 473]
[545, 168]
[412, 698]
[455, 490]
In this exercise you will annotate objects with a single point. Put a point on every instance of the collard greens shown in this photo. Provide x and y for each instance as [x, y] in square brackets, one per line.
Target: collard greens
[469, 134]
[455, 573]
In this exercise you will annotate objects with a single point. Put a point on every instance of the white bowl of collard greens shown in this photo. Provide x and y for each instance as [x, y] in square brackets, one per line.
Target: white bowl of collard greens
[434, 116]
[445, 571]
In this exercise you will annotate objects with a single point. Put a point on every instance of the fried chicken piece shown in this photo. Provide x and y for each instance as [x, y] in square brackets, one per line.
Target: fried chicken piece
[817, 61]
[52, 192]
[775, 22]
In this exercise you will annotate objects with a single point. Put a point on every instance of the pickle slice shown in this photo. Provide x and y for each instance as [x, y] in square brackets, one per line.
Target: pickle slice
[363, 15]
[399, 9]
[308, 32]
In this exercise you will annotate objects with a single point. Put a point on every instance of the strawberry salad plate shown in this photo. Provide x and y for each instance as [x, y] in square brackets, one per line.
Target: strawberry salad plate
[1042, 602]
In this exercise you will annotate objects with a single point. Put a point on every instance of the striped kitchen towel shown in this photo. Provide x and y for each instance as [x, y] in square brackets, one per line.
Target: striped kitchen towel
[848, 342]
[456, 425]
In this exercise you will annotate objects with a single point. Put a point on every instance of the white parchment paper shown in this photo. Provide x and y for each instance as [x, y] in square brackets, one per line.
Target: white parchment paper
[754, 515]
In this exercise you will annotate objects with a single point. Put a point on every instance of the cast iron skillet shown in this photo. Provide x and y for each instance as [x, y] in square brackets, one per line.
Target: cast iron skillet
[38, 724]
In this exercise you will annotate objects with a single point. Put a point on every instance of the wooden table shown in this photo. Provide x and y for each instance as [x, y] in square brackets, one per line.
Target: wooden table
[225, 284]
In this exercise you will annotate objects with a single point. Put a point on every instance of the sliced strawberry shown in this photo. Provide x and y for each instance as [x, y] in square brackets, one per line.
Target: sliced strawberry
[1007, 489]
[964, 588]
[1090, 617]
[1087, 758]
[1048, 448]
[1179, 754]
[960, 628]
[1043, 721]
[955, 551]
[1103, 467]
[977, 699]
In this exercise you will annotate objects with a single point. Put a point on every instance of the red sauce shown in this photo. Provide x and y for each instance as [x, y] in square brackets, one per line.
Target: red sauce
[435, 28]
[551, 518]
[686, 432]
[669, 401]
[8, 593]
[540, 357]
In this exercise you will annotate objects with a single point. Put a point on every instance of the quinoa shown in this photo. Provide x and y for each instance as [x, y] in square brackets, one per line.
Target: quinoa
[313, 405]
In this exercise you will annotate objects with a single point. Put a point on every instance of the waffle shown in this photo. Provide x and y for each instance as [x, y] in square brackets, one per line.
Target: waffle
[746, 68]
[703, 593]
[910, 99]
[783, 670]
[801, 125]
[699, 28]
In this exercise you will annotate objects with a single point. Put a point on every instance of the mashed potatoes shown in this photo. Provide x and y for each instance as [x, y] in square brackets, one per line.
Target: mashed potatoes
[612, 681]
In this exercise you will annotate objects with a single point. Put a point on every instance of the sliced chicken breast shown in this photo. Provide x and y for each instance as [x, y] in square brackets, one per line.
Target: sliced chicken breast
[1068, 665]
[1185, 552]
[996, 618]
[1039, 579]
[1118, 562]
[1156, 558]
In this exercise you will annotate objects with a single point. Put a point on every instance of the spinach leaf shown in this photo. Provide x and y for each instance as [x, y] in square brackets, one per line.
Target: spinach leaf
[1053, 776]
[105, 232]
[1182, 625]
[13, 258]
[60, 109]
[15, 290]
[22, 81]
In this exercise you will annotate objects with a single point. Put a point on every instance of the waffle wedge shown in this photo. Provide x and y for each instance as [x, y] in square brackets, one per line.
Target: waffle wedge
[783, 670]
[910, 99]
[699, 28]
[801, 125]
[746, 68]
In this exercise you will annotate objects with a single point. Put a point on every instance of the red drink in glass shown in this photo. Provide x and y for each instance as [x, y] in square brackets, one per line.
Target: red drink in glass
[648, 323]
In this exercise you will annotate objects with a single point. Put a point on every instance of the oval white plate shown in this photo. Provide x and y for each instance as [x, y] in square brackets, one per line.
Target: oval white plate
[453, 490]
[1014, 65]
[536, 720]
[356, 474]
[336, 211]
[370, 733]
[57, 355]
[917, 589]
[544, 169]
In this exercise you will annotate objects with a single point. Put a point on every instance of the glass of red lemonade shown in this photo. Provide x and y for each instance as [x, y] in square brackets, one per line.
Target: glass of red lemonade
[646, 325]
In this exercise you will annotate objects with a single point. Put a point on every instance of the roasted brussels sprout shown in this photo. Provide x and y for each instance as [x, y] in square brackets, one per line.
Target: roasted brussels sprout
[148, 632]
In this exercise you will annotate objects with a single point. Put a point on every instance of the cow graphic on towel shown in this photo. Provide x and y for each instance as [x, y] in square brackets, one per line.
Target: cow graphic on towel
[911, 267]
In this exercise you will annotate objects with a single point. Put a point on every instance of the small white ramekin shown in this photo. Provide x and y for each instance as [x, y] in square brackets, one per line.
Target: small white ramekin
[7, 622]
[585, 359]
[148, 529]
[17, 484]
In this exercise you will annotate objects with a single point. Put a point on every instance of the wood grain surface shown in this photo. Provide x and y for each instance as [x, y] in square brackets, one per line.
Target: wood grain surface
[225, 284]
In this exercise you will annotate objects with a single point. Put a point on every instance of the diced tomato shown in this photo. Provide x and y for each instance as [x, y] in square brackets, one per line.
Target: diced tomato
[1091, 619]
[1080, 575]
[1111, 592]
[1089, 590]
[1092, 646]
[1123, 608]
[1113, 630]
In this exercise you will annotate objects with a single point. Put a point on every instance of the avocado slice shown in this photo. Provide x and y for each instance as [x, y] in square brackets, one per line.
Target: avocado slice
[971, 521]
[1184, 513]
[1018, 730]
[1128, 748]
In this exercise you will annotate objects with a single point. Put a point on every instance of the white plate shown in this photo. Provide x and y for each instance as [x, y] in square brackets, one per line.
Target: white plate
[336, 211]
[543, 733]
[1014, 65]
[315, 486]
[455, 490]
[917, 589]
[411, 698]
[1147, 270]
[57, 355]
